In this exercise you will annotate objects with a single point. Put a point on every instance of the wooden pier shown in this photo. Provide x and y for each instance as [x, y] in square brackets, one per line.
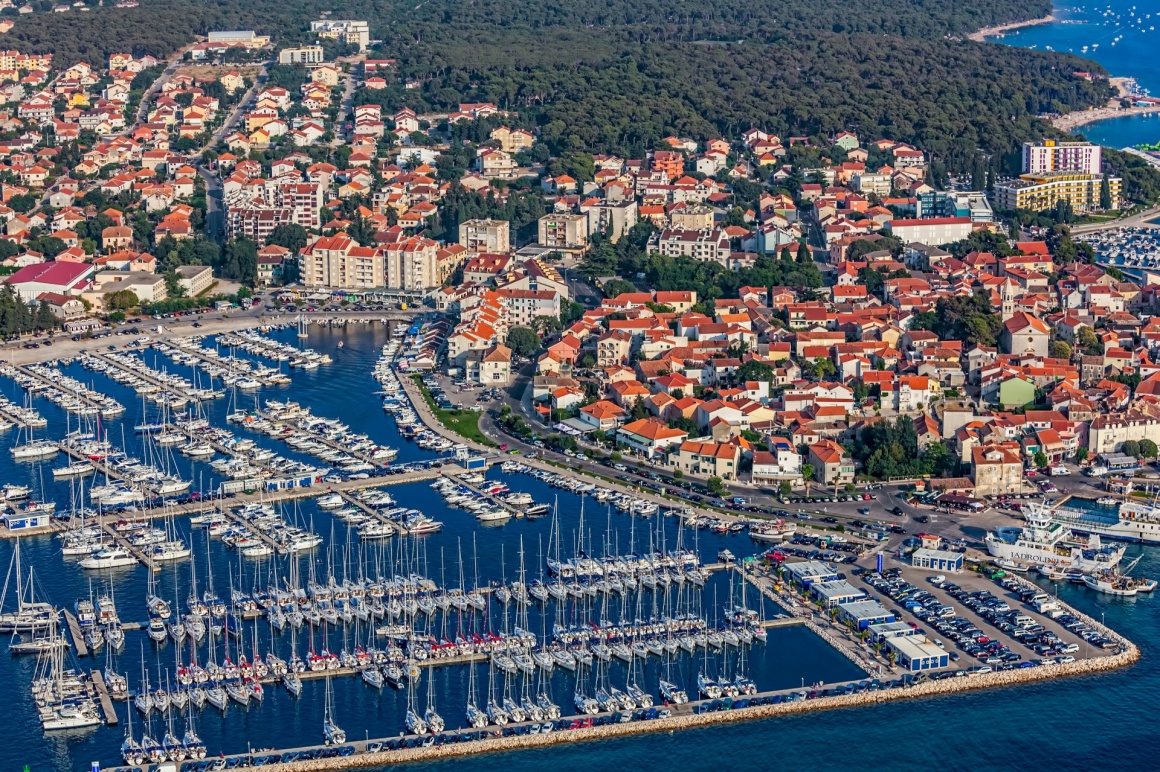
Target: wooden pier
[74, 628]
[98, 681]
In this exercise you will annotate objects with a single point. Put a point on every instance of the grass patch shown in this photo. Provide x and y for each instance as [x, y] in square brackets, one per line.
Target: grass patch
[465, 423]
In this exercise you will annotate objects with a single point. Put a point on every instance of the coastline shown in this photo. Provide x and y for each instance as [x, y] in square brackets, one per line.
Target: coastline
[1073, 121]
[981, 35]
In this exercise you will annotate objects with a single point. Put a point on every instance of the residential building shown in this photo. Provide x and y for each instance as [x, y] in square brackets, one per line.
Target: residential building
[194, 279]
[1041, 191]
[707, 459]
[1056, 156]
[338, 262]
[705, 244]
[831, 464]
[301, 55]
[348, 31]
[996, 470]
[485, 235]
[648, 436]
[566, 232]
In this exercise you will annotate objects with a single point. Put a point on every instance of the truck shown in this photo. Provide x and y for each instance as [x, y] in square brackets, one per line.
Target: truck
[1059, 471]
[1097, 471]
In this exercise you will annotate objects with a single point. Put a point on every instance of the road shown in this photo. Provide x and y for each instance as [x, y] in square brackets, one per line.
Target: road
[1143, 218]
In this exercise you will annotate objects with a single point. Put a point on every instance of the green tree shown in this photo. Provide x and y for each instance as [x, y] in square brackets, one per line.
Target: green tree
[754, 371]
[715, 485]
[808, 471]
[1105, 194]
[291, 236]
[614, 287]
[121, 300]
[785, 489]
[1059, 349]
[523, 341]
[1088, 341]
[1131, 448]
[1040, 459]
[1148, 449]
[1081, 455]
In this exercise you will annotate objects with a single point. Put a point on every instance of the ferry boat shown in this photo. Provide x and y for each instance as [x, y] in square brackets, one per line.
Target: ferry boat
[1136, 521]
[1044, 540]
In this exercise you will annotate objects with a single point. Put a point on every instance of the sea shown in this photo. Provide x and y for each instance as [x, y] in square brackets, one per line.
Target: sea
[1123, 36]
[1071, 724]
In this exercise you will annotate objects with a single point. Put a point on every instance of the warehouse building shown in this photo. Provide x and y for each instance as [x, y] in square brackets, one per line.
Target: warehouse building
[807, 572]
[837, 592]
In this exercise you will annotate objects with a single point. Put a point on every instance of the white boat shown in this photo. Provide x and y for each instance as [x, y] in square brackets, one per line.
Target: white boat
[34, 449]
[109, 557]
[1043, 541]
[77, 469]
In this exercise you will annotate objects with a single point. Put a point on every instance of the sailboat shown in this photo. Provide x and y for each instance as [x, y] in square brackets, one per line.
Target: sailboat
[28, 615]
[131, 750]
[434, 721]
[331, 732]
[476, 717]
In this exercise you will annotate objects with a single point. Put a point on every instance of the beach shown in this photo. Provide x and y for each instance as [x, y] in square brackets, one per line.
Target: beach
[981, 35]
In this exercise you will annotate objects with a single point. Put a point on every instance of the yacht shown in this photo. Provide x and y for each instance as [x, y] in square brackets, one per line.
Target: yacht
[109, 557]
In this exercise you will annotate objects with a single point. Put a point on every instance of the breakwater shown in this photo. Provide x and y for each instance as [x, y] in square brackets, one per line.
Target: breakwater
[1129, 654]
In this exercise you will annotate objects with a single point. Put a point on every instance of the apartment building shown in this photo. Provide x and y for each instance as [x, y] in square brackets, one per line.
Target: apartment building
[338, 262]
[301, 55]
[1053, 156]
[568, 232]
[705, 244]
[485, 235]
[1043, 190]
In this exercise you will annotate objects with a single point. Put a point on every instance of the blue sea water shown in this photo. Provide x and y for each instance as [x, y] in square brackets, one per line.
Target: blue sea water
[1126, 34]
[1071, 724]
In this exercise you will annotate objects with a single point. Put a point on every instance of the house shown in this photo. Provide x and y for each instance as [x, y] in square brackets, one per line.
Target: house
[708, 459]
[603, 415]
[648, 436]
[831, 464]
[779, 463]
[996, 469]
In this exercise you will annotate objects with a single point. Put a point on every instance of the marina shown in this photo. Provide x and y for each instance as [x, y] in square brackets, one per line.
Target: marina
[290, 593]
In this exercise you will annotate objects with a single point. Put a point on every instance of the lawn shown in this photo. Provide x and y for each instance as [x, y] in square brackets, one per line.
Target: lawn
[465, 423]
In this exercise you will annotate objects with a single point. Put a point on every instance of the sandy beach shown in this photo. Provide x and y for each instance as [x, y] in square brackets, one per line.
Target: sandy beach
[1074, 120]
[986, 32]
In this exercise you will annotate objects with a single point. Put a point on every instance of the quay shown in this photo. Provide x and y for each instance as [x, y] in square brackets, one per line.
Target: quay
[97, 679]
[74, 629]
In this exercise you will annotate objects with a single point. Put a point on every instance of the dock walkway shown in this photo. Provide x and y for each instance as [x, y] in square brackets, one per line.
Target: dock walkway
[74, 629]
[98, 682]
[62, 387]
[124, 543]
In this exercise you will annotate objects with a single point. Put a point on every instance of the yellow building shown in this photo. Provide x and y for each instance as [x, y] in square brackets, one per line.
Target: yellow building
[1038, 192]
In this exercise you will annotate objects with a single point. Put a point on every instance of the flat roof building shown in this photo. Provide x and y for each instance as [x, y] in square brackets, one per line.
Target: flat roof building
[864, 613]
[915, 653]
[807, 572]
[836, 593]
[937, 560]
[881, 631]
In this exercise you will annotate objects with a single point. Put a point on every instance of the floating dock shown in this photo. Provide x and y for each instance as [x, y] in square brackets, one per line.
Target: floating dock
[74, 628]
[98, 681]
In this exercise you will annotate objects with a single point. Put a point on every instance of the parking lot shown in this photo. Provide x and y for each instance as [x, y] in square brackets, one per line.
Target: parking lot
[984, 624]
